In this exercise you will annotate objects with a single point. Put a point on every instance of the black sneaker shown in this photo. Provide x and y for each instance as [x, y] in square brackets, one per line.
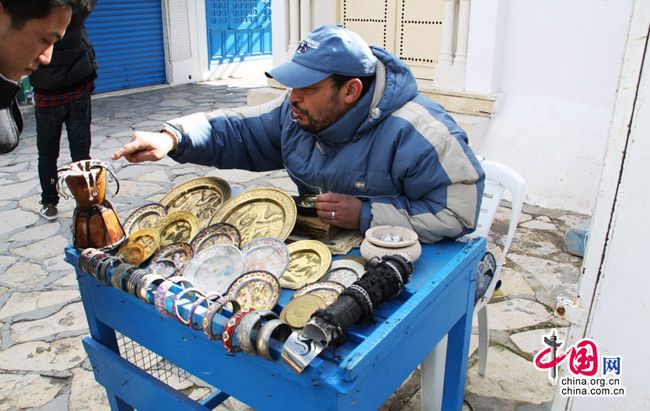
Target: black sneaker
[49, 211]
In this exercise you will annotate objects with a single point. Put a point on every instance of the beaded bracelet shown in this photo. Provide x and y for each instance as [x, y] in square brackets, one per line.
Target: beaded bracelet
[213, 310]
[249, 324]
[180, 295]
[276, 329]
[365, 295]
[398, 276]
[229, 329]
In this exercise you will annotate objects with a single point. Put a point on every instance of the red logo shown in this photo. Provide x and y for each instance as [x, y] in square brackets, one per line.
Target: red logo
[582, 356]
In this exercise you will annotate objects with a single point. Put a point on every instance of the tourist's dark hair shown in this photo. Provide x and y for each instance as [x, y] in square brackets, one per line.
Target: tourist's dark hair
[21, 11]
[340, 80]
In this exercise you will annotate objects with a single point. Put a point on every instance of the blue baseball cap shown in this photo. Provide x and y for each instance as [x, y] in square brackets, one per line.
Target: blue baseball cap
[325, 51]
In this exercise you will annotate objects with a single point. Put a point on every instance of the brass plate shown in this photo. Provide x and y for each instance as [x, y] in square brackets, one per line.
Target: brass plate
[300, 309]
[327, 290]
[220, 233]
[132, 253]
[147, 216]
[259, 212]
[201, 196]
[179, 226]
[309, 261]
[345, 272]
[259, 290]
[148, 238]
[178, 253]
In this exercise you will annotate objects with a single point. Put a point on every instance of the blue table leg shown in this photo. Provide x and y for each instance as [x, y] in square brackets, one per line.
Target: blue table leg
[456, 363]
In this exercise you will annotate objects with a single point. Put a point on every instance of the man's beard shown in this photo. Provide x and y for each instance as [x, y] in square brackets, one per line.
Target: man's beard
[316, 125]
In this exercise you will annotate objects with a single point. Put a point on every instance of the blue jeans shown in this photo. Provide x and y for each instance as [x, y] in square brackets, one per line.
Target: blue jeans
[49, 122]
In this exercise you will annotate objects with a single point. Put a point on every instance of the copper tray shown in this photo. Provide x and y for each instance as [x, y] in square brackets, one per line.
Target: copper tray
[202, 196]
[259, 212]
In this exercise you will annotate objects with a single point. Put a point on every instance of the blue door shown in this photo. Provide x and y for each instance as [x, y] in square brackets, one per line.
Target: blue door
[238, 30]
[128, 39]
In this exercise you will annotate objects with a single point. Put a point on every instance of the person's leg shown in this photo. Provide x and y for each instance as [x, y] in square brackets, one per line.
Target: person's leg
[49, 121]
[78, 127]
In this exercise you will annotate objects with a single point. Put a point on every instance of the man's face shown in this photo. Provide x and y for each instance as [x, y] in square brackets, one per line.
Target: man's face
[23, 50]
[318, 106]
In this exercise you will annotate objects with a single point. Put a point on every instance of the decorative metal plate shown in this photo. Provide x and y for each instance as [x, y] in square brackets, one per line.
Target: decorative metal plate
[201, 196]
[132, 253]
[300, 309]
[220, 233]
[344, 272]
[178, 253]
[147, 216]
[259, 212]
[327, 290]
[267, 254]
[179, 226]
[259, 290]
[309, 261]
[148, 238]
[215, 268]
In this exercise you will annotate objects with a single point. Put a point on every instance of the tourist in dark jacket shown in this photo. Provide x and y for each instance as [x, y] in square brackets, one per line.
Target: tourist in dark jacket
[28, 31]
[62, 92]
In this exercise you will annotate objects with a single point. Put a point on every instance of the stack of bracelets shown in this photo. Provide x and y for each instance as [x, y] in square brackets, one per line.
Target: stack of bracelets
[384, 279]
[254, 332]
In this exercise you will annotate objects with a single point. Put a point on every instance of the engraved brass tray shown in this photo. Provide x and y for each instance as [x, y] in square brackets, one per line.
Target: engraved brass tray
[259, 212]
[148, 238]
[147, 216]
[220, 233]
[257, 289]
[309, 261]
[178, 253]
[179, 226]
[201, 196]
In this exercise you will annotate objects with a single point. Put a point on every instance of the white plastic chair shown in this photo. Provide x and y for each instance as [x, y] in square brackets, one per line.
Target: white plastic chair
[498, 179]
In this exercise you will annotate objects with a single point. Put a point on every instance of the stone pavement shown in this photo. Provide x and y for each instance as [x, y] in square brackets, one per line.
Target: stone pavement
[42, 363]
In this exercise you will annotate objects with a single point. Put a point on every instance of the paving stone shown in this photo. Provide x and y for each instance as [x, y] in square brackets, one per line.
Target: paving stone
[23, 275]
[513, 284]
[548, 278]
[40, 231]
[40, 356]
[69, 280]
[236, 176]
[156, 176]
[86, 391]
[539, 224]
[18, 391]
[516, 313]
[17, 190]
[3, 291]
[71, 318]
[137, 188]
[16, 219]
[530, 342]
[57, 263]
[510, 377]
[46, 248]
[20, 303]
[6, 261]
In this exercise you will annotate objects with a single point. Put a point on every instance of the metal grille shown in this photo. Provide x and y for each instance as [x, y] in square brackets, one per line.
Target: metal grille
[150, 362]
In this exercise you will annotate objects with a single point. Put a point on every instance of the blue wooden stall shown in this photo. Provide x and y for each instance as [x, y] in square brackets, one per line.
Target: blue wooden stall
[359, 375]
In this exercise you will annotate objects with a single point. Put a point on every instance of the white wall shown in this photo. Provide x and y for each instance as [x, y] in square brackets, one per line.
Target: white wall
[560, 66]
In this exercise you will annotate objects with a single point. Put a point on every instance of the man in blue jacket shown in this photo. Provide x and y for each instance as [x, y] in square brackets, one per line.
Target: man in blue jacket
[353, 129]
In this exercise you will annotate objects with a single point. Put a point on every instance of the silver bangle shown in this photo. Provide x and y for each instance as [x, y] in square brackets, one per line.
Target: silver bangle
[250, 323]
[365, 295]
[276, 329]
[399, 278]
[145, 283]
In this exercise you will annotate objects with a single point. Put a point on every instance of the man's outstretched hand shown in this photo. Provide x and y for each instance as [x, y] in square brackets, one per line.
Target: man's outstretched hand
[145, 146]
[341, 210]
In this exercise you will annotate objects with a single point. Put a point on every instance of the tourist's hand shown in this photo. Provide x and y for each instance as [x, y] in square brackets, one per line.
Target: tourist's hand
[341, 210]
[145, 146]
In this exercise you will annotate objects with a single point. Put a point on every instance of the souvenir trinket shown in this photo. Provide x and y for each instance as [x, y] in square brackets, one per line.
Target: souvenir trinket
[259, 290]
[201, 196]
[309, 261]
[220, 233]
[147, 216]
[266, 254]
[179, 226]
[215, 268]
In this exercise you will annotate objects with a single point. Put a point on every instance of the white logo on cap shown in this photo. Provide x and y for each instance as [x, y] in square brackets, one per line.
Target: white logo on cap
[307, 44]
